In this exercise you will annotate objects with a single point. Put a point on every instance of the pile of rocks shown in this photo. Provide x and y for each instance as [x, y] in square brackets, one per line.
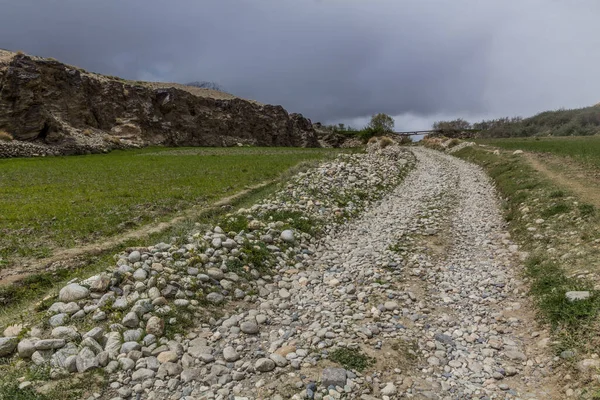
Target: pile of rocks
[341, 188]
[132, 319]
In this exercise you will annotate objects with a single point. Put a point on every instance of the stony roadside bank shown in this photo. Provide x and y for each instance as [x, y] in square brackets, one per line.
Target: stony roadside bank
[411, 290]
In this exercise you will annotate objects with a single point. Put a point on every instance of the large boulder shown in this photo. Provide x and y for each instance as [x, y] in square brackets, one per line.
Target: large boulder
[73, 292]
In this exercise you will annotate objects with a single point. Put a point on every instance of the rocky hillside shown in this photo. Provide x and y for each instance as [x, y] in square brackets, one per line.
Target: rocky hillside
[52, 108]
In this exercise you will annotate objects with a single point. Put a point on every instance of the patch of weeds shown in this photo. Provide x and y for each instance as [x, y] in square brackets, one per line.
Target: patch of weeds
[559, 310]
[233, 223]
[555, 209]
[352, 359]
[9, 390]
[71, 388]
[38, 373]
[397, 248]
[237, 266]
[556, 194]
[257, 255]
[587, 209]
[549, 287]
[183, 321]
[407, 350]
[296, 220]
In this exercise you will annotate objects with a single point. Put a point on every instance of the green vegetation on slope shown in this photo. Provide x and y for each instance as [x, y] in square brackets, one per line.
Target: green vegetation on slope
[573, 122]
[60, 202]
[585, 149]
[561, 235]
[380, 124]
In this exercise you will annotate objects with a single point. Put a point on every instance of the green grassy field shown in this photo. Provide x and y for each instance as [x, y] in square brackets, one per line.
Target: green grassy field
[585, 149]
[61, 202]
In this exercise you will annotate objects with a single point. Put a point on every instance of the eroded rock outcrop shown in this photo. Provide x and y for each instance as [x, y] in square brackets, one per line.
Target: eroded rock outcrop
[48, 103]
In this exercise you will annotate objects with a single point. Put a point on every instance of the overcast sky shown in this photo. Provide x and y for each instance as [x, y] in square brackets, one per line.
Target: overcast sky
[335, 60]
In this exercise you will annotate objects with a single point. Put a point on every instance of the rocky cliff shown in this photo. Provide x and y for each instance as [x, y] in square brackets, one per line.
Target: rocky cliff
[45, 104]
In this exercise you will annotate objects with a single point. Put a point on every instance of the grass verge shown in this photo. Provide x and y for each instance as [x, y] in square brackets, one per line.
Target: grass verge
[584, 149]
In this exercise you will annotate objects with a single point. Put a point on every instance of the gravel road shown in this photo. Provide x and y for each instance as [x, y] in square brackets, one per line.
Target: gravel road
[424, 282]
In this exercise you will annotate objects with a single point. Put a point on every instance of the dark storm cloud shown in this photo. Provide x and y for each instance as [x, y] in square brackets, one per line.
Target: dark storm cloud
[332, 59]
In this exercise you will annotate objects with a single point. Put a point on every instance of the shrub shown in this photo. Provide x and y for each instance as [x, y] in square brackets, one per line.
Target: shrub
[385, 142]
[453, 142]
[404, 139]
[113, 140]
[5, 136]
[367, 133]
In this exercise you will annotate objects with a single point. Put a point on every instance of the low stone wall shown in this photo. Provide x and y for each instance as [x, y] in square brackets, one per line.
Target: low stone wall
[24, 149]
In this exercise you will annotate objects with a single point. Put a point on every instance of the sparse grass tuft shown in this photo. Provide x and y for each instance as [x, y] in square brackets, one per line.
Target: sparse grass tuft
[233, 223]
[257, 255]
[352, 359]
[587, 209]
[385, 141]
[555, 209]
[453, 142]
[295, 220]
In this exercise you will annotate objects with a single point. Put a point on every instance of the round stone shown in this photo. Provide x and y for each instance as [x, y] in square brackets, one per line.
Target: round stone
[264, 365]
[249, 327]
[134, 256]
[288, 236]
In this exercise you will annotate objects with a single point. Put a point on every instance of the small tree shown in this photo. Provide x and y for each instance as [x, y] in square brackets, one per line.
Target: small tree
[381, 123]
[452, 126]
